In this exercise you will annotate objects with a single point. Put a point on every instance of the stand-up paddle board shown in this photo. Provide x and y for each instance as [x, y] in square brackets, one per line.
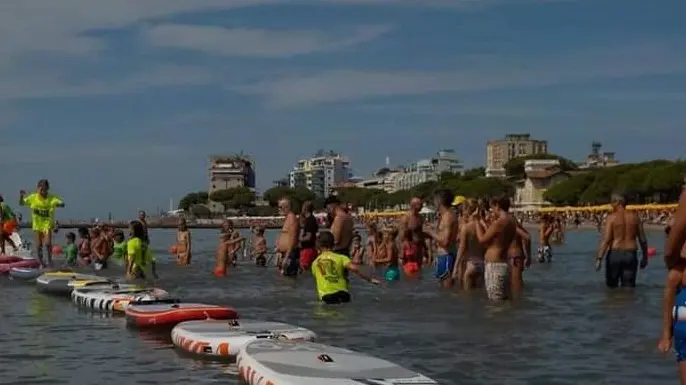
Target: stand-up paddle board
[167, 313]
[113, 298]
[63, 282]
[223, 339]
[25, 273]
[284, 362]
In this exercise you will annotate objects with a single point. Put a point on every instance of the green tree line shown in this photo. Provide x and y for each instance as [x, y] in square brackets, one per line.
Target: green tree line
[648, 182]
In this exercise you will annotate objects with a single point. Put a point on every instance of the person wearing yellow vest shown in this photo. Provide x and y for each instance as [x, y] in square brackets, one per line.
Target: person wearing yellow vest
[42, 205]
[329, 270]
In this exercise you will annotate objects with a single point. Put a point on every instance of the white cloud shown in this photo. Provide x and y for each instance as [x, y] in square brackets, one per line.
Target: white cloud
[256, 42]
[490, 73]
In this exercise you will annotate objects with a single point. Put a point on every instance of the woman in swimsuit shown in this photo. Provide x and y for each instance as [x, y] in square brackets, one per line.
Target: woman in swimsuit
[372, 233]
[519, 254]
[85, 250]
[469, 269]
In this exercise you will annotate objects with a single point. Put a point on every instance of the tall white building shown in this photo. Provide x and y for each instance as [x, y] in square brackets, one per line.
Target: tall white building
[428, 170]
[320, 173]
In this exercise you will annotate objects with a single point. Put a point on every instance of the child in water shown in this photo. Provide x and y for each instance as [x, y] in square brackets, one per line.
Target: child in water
[259, 247]
[71, 252]
[674, 316]
[119, 249]
[411, 257]
[140, 259]
[183, 243]
[357, 251]
[387, 255]
[85, 251]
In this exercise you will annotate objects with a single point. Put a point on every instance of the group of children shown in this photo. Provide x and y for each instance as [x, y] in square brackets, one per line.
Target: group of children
[101, 245]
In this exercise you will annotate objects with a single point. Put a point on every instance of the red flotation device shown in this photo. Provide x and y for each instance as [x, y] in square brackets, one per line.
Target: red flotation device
[24, 263]
[167, 313]
[9, 259]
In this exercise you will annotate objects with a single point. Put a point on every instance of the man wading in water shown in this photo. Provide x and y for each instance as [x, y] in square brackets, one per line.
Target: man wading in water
[445, 237]
[342, 226]
[497, 239]
[622, 228]
[675, 245]
[545, 253]
[287, 243]
[414, 222]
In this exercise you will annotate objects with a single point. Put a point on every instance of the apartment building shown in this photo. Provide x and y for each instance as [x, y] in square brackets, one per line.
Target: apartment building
[320, 173]
[499, 152]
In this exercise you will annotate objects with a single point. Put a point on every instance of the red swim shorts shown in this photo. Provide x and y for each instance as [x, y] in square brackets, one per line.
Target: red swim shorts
[307, 256]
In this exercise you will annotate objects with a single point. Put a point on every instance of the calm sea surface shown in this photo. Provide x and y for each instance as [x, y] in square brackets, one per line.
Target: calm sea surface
[568, 329]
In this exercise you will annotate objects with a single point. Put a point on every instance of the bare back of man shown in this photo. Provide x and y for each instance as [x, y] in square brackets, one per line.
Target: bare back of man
[287, 243]
[342, 228]
[497, 239]
[622, 235]
[470, 266]
[545, 230]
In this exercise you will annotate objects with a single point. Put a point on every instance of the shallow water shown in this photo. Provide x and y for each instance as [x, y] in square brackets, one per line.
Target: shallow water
[568, 329]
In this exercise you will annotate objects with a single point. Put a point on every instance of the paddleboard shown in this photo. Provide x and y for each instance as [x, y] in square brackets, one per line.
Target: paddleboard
[285, 362]
[169, 313]
[26, 273]
[222, 339]
[24, 263]
[63, 282]
[114, 297]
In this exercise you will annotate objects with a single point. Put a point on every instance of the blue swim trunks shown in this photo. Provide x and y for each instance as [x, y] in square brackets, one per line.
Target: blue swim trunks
[444, 266]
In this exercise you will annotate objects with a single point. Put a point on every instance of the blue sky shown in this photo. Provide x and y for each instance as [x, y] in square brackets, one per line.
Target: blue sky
[119, 103]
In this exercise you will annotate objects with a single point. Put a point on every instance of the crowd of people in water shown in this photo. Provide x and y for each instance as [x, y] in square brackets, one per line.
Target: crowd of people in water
[471, 244]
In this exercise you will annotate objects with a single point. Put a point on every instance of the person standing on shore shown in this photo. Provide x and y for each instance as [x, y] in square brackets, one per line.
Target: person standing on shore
[622, 229]
[42, 205]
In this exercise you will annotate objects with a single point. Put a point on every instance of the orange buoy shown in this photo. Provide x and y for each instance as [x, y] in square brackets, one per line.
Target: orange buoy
[652, 252]
[173, 249]
[9, 226]
[56, 249]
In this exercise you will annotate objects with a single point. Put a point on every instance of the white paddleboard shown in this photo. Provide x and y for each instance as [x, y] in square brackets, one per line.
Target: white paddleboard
[114, 297]
[222, 339]
[285, 362]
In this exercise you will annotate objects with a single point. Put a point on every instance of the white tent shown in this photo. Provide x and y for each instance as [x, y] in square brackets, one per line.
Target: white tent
[426, 210]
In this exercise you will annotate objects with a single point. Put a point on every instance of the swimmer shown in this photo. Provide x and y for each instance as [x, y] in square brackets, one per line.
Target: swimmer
[139, 253]
[469, 269]
[42, 205]
[183, 243]
[445, 237]
[228, 238]
[619, 248]
[119, 254]
[6, 215]
[287, 242]
[519, 254]
[357, 251]
[342, 226]
[71, 252]
[329, 272]
[411, 258]
[497, 238]
[84, 247]
[675, 245]
[545, 230]
[414, 222]
[259, 247]
[389, 260]
[674, 315]
[308, 237]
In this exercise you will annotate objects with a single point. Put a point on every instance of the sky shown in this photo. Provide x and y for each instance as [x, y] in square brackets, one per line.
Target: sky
[120, 103]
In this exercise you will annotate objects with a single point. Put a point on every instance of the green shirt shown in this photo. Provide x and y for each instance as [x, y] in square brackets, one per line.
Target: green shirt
[71, 252]
[119, 250]
[7, 212]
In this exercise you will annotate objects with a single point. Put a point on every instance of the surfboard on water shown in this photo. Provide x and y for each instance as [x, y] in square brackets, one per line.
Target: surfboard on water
[26, 273]
[115, 297]
[224, 339]
[63, 282]
[286, 362]
[169, 312]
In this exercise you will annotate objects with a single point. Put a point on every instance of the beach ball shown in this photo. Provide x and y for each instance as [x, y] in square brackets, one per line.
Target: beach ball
[9, 226]
[173, 249]
[652, 252]
[56, 249]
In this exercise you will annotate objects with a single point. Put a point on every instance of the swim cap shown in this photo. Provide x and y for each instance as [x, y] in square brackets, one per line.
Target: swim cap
[392, 274]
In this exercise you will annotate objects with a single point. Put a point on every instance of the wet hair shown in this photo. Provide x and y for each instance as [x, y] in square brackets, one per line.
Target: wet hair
[503, 203]
[83, 232]
[445, 197]
[619, 198]
[137, 230]
[2, 199]
[325, 240]
[44, 182]
[71, 236]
